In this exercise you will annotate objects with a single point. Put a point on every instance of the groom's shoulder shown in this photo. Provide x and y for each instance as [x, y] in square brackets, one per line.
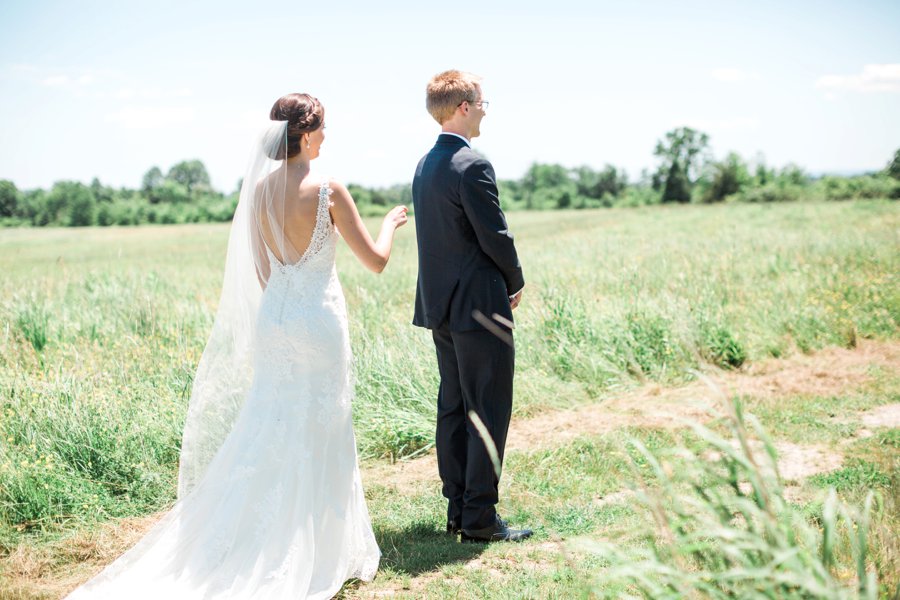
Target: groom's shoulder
[468, 160]
[448, 155]
[467, 155]
[453, 158]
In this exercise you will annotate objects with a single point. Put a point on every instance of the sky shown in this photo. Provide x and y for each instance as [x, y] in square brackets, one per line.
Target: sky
[110, 89]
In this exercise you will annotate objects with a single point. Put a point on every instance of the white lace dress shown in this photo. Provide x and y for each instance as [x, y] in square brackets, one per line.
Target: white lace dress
[280, 512]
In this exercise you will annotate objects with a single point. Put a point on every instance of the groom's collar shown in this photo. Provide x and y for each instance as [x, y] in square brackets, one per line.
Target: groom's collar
[454, 135]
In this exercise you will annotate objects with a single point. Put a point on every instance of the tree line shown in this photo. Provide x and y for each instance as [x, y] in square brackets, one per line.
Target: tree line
[686, 172]
[182, 195]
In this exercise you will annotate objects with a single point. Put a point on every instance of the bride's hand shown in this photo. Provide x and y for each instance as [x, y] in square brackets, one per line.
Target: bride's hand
[396, 217]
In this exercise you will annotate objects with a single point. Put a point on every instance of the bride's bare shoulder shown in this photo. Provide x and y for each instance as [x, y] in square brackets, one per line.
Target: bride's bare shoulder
[269, 183]
[317, 181]
[340, 195]
[335, 185]
[311, 184]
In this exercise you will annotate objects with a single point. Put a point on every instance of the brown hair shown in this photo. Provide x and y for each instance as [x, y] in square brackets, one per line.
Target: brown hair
[447, 90]
[304, 113]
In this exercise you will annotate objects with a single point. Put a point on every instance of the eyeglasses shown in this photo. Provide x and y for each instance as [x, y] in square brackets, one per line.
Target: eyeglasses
[482, 104]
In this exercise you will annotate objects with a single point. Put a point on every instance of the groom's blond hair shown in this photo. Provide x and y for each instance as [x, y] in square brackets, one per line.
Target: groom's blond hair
[447, 90]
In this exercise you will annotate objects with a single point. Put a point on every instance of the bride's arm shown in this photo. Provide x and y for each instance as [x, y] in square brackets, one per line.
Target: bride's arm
[372, 254]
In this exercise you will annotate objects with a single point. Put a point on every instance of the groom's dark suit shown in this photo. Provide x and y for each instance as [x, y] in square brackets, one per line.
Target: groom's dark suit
[467, 263]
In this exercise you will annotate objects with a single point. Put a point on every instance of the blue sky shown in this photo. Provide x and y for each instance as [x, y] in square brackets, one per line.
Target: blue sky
[109, 89]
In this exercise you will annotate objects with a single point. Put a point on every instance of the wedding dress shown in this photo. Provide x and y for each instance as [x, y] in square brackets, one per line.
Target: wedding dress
[278, 511]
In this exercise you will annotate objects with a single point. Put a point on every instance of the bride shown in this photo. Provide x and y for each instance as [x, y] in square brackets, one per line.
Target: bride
[270, 503]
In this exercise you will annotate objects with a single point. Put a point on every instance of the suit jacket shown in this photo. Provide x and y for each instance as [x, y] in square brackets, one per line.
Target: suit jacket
[467, 259]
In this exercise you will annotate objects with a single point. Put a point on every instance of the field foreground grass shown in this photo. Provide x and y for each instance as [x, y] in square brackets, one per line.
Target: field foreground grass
[102, 330]
[565, 476]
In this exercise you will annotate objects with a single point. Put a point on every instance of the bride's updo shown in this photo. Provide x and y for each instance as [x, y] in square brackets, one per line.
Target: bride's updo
[304, 114]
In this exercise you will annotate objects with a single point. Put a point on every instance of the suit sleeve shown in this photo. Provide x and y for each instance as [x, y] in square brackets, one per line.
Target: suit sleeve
[481, 203]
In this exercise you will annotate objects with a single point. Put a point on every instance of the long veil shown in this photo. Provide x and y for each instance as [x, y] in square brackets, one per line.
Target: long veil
[225, 372]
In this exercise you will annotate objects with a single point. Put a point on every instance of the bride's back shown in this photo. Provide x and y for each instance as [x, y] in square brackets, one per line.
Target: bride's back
[286, 213]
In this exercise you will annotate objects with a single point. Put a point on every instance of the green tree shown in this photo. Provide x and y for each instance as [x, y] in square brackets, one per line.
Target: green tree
[52, 209]
[727, 177]
[548, 186]
[191, 174]
[101, 192]
[893, 167]
[70, 203]
[612, 182]
[597, 184]
[9, 198]
[152, 181]
[792, 174]
[31, 206]
[681, 153]
[763, 175]
[676, 186]
[362, 196]
[172, 192]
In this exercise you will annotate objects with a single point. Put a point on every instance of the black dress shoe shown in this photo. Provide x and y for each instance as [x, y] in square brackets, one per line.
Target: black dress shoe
[498, 532]
[453, 527]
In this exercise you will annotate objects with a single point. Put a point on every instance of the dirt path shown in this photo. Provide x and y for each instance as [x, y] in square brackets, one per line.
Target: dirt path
[51, 571]
[831, 372]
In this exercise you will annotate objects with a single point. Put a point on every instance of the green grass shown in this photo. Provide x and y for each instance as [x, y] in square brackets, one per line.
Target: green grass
[828, 420]
[859, 474]
[102, 330]
[719, 526]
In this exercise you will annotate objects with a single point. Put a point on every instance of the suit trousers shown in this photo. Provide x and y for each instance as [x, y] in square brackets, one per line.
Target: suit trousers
[476, 370]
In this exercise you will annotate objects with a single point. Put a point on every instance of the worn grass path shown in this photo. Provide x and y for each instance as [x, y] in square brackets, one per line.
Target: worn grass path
[404, 497]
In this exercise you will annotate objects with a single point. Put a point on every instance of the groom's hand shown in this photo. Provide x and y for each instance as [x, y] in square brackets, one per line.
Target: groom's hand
[514, 300]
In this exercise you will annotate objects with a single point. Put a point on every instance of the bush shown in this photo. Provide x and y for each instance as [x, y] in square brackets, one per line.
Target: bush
[639, 196]
[725, 179]
[9, 198]
[82, 210]
[855, 188]
[771, 192]
[893, 168]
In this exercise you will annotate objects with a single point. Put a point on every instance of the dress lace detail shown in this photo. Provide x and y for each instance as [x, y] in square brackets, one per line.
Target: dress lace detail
[280, 511]
[321, 231]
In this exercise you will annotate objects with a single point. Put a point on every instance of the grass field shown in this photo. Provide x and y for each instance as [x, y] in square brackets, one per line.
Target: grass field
[102, 330]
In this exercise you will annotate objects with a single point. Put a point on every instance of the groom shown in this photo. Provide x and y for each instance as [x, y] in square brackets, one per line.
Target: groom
[470, 279]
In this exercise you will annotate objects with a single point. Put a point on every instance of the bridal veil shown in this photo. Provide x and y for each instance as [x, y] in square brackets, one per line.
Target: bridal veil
[225, 372]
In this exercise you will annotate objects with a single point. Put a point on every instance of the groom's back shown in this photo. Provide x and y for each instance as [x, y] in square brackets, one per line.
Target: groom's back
[436, 200]
[452, 264]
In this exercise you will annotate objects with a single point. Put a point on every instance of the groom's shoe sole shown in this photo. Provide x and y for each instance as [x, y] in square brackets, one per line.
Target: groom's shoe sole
[509, 535]
[499, 531]
[464, 539]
